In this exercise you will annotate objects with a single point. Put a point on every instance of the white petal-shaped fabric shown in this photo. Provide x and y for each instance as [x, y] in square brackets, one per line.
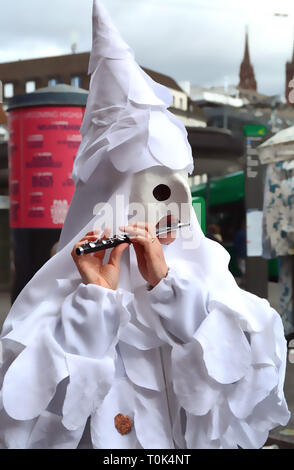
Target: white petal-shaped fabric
[251, 390]
[89, 321]
[144, 91]
[226, 350]
[140, 336]
[152, 420]
[269, 413]
[176, 288]
[166, 142]
[219, 420]
[196, 435]
[90, 381]
[14, 434]
[49, 432]
[143, 367]
[196, 391]
[246, 436]
[30, 382]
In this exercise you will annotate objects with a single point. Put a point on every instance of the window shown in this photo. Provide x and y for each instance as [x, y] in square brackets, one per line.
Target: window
[52, 82]
[8, 90]
[181, 103]
[30, 86]
[76, 81]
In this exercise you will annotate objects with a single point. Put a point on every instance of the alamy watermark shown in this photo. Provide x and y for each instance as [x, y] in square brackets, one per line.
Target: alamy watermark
[121, 213]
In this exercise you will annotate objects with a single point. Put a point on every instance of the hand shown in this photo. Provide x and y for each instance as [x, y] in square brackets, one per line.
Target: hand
[150, 257]
[91, 265]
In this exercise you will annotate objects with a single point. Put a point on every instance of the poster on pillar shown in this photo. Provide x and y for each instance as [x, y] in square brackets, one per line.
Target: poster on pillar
[42, 147]
[254, 232]
[254, 189]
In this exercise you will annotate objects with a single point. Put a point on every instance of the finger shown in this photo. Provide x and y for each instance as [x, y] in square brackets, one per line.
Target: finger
[168, 238]
[89, 237]
[145, 225]
[84, 241]
[144, 241]
[81, 243]
[137, 231]
[107, 233]
[101, 254]
[94, 232]
[116, 254]
[150, 228]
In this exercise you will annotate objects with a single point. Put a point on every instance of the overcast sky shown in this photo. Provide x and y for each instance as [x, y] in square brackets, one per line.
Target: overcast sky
[197, 40]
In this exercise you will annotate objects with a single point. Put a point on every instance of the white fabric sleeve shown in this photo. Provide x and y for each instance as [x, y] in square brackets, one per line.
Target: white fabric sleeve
[228, 356]
[173, 300]
[70, 337]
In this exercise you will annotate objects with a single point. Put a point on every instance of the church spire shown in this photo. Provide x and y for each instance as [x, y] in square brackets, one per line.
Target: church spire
[247, 76]
[246, 55]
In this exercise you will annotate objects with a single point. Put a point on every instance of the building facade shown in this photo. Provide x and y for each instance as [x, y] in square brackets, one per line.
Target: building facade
[28, 75]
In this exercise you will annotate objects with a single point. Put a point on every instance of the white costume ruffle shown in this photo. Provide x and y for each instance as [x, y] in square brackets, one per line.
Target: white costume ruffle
[192, 367]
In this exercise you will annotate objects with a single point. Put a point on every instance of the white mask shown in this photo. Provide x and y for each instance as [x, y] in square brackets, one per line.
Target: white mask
[160, 191]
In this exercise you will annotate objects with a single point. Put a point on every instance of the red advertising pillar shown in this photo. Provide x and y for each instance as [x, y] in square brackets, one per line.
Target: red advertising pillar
[44, 136]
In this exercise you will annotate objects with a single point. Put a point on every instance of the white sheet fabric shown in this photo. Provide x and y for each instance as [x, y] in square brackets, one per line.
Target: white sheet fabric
[196, 362]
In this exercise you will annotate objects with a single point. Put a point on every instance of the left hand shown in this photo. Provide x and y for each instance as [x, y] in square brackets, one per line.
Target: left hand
[91, 266]
[150, 257]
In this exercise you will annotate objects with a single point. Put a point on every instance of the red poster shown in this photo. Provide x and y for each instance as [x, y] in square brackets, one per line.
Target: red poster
[43, 144]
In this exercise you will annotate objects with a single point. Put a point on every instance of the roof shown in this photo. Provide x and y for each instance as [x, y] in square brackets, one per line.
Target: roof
[85, 56]
[163, 79]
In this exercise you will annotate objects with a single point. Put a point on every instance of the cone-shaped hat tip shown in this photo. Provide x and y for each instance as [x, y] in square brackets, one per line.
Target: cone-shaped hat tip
[100, 12]
[107, 41]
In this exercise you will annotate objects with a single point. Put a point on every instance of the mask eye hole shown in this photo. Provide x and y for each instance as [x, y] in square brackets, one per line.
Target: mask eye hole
[162, 192]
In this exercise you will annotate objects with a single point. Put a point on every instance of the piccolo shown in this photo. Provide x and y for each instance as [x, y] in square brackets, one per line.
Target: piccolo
[101, 245]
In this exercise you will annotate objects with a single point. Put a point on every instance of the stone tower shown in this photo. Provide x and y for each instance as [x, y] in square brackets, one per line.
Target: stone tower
[247, 76]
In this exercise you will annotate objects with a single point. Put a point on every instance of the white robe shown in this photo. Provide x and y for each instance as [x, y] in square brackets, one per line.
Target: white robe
[192, 366]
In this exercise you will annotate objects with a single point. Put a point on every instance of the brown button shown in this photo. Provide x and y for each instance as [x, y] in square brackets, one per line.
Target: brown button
[123, 424]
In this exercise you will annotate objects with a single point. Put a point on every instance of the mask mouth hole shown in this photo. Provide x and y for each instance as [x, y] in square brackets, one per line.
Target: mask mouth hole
[167, 221]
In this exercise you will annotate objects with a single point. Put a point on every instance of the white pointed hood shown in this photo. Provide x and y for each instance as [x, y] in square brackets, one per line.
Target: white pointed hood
[126, 119]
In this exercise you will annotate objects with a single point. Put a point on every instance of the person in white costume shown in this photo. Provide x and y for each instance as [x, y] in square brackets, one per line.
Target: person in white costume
[160, 335]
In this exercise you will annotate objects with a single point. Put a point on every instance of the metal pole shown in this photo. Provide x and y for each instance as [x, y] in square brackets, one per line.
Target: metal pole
[256, 277]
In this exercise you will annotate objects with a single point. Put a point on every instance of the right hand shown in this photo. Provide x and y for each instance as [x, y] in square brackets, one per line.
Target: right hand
[148, 249]
[91, 266]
